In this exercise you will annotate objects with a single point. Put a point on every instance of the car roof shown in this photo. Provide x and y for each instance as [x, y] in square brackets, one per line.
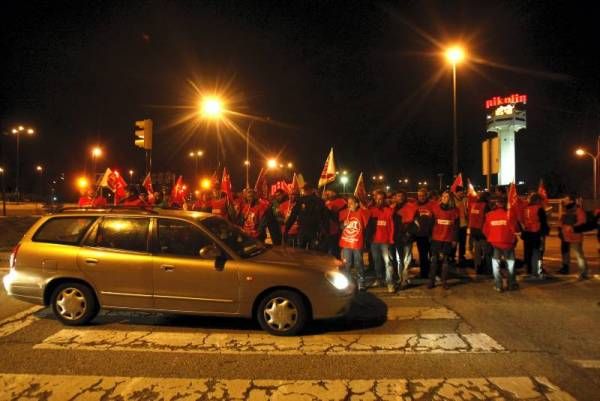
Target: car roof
[131, 211]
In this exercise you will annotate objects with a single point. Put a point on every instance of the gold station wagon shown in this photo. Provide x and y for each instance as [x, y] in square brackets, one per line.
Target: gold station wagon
[81, 260]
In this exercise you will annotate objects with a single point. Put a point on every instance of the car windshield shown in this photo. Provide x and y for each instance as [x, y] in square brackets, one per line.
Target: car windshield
[241, 243]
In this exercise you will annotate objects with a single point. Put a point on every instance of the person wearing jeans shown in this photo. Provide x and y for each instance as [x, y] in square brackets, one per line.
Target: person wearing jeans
[500, 228]
[573, 216]
[404, 228]
[381, 235]
[443, 237]
[353, 222]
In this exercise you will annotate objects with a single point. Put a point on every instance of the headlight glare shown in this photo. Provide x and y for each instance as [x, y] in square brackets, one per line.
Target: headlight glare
[338, 280]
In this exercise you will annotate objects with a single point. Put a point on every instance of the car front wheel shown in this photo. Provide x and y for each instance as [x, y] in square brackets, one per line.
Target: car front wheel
[282, 313]
[74, 304]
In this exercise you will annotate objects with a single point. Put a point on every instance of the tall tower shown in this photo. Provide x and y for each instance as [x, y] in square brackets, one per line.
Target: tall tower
[505, 117]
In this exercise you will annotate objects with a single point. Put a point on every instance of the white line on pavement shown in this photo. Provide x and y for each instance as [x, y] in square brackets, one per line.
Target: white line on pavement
[259, 343]
[588, 363]
[18, 321]
[19, 387]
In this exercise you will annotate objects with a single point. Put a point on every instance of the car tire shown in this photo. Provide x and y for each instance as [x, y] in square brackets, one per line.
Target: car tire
[282, 313]
[74, 304]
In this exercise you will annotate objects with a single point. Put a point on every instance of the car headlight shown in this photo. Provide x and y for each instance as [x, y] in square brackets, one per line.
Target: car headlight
[338, 280]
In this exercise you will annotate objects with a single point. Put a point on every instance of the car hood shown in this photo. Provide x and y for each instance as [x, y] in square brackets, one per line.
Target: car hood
[280, 255]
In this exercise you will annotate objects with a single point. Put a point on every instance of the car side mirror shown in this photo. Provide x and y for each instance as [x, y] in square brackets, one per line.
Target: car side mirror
[209, 252]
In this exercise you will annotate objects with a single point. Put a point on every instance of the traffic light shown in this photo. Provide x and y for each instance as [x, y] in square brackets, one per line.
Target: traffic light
[143, 134]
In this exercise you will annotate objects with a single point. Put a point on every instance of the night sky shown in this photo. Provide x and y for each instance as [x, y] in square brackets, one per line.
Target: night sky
[364, 77]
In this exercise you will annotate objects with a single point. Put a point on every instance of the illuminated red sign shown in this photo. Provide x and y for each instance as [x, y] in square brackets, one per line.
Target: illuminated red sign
[499, 101]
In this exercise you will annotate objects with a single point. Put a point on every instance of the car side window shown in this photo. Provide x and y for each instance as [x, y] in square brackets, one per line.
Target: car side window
[127, 234]
[177, 237]
[64, 230]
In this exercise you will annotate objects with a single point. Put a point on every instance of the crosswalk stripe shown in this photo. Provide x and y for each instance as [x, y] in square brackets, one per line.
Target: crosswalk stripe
[59, 388]
[588, 363]
[18, 321]
[370, 312]
[260, 343]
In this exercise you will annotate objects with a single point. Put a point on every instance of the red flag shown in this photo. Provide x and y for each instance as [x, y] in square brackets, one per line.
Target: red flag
[328, 173]
[147, 184]
[261, 187]
[178, 193]
[226, 184]
[361, 191]
[471, 193]
[542, 192]
[514, 202]
[458, 182]
[117, 184]
[294, 187]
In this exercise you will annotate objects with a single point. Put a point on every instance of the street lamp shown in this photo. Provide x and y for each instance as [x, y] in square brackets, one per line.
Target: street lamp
[96, 153]
[196, 155]
[3, 192]
[454, 55]
[131, 176]
[211, 107]
[17, 131]
[272, 164]
[581, 152]
[344, 181]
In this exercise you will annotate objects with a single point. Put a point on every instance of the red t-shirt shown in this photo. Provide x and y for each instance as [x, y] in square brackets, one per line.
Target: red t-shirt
[252, 216]
[476, 214]
[353, 225]
[384, 225]
[444, 225]
[407, 212]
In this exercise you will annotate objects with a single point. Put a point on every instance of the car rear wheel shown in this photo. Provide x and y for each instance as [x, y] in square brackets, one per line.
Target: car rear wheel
[74, 304]
[282, 313]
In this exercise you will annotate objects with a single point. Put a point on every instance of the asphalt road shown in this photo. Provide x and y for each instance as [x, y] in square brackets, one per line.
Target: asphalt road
[466, 343]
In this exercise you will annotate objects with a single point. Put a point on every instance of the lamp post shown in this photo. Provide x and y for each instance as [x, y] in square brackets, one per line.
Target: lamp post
[17, 131]
[196, 155]
[40, 170]
[212, 108]
[3, 192]
[440, 175]
[454, 55]
[344, 181]
[131, 177]
[96, 153]
[581, 152]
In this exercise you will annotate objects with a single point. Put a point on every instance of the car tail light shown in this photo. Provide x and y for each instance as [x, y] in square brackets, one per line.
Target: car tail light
[12, 262]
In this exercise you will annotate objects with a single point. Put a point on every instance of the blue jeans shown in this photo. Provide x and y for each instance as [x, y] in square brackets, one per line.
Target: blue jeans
[509, 257]
[353, 257]
[381, 253]
[577, 248]
[404, 258]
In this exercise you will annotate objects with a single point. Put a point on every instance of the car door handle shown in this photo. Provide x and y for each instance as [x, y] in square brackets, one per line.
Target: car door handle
[168, 268]
[91, 261]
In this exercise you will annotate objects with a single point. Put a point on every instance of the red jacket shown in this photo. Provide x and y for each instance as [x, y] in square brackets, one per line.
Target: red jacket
[531, 219]
[500, 229]
[445, 224]
[384, 225]
[353, 224]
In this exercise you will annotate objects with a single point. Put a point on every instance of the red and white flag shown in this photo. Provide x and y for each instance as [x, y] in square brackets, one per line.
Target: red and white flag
[294, 187]
[117, 185]
[361, 190]
[471, 193]
[328, 173]
[458, 182]
[178, 193]
[226, 185]
[147, 184]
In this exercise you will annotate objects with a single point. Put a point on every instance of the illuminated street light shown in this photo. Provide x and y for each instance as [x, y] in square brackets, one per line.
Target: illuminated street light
[272, 163]
[96, 153]
[39, 168]
[206, 183]
[582, 152]
[3, 191]
[82, 183]
[17, 131]
[246, 162]
[290, 165]
[212, 107]
[454, 55]
[344, 181]
[131, 176]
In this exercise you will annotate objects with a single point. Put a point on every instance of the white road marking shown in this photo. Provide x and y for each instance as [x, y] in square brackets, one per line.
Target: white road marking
[259, 343]
[588, 363]
[19, 321]
[420, 313]
[21, 387]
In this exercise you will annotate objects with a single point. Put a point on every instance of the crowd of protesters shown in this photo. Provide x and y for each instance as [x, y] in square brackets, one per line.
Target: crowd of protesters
[385, 226]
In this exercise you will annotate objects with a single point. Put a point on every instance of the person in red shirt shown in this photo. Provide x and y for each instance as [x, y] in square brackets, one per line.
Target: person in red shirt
[133, 199]
[353, 222]
[86, 199]
[381, 235]
[252, 215]
[573, 216]
[334, 205]
[477, 209]
[202, 203]
[535, 227]
[500, 228]
[218, 204]
[423, 223]
[443, 237]
[404, 229]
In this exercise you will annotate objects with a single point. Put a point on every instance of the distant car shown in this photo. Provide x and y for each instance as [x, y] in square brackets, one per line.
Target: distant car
[81, 260]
